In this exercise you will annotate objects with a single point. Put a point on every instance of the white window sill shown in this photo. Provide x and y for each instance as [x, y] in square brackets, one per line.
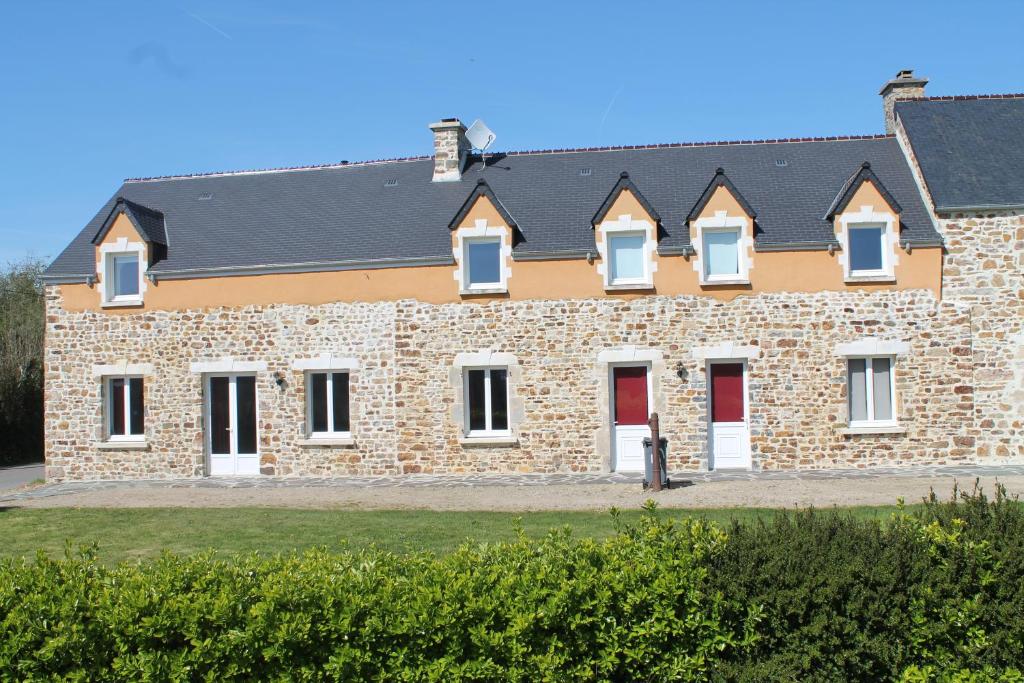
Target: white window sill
[121, 303]
[725, 281]
[873, 429]
[626, 286]
[507, 440]
[483, 290]
[327, 442]
[126, 445]
[854, 279]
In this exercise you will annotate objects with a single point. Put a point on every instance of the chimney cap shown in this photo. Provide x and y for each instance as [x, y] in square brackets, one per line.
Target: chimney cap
[904, 78]
[444, 124]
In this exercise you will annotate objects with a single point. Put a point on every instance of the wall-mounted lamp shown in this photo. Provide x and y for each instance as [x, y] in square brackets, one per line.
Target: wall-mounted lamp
[279, 380]
[681, 372]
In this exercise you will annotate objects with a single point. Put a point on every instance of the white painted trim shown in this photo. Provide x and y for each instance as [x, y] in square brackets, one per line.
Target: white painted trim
[121, 246]
[726, 351]
[122, 368]
[482, 232]
[326, 361]
[868, 217]
[485, 358]
[227, 365]
[872, 346]
[722, 222]
[625, 224]
[629, 354]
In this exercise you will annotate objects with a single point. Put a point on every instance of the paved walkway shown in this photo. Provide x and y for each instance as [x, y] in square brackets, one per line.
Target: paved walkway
[19, 475]
[877, 486]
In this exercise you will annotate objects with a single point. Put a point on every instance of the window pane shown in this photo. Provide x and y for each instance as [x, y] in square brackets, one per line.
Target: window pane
[627, 256]
[858, 390]
[318, 401]
[477, 407]
[136, 408]
[220, 436]
[126, 275]
[721, 253]
[246, 397]
[499, 399]
[117, 407]
[484, 263]
[882, 389]
[340, 398]
[865, 249]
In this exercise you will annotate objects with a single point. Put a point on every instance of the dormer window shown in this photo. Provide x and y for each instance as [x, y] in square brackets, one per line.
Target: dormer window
[483, 257]
[867, 250]
[121, 270]
[721, 254]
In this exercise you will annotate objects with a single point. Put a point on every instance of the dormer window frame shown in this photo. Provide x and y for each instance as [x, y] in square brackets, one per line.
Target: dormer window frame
[721, 222]
[482, 232]
[626, 226]
[107, 269]
[868, 218]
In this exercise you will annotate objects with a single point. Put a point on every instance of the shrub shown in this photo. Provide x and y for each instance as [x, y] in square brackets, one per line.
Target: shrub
[634, 607]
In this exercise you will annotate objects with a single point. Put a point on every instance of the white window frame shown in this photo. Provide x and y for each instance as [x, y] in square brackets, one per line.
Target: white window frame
[469, 284]
[882, 242]
[720, 277]
[867, 217]
[488, 431]
[106, 286]
[722, 222]
[108, 408]
[644, 278]
[330, 433]
[626, 226]
[482, 232]
[869, 389]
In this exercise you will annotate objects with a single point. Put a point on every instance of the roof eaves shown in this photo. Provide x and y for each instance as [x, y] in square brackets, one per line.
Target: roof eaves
[623, 183]
[720, 179]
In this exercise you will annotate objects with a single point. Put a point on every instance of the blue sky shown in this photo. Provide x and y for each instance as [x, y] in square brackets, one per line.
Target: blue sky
[94, 92]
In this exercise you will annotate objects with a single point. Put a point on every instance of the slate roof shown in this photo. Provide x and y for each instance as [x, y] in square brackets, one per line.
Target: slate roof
[720, 180]
[148, 222]
[392, 214]
[862, 175]
[970, 149]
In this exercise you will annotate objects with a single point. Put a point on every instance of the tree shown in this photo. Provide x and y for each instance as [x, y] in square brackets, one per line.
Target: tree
[22, 322]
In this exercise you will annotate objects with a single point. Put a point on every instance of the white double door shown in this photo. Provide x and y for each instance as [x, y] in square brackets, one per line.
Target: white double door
[630, 411]
[232, 440]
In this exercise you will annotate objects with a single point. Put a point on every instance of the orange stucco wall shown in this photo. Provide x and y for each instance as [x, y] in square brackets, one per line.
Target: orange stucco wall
[809, 271]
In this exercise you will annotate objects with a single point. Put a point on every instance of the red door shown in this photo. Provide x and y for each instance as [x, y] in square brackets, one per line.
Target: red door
[630, 396]
[727, 392]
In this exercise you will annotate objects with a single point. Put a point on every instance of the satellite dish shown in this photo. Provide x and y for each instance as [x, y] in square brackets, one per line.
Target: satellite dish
[480, 136]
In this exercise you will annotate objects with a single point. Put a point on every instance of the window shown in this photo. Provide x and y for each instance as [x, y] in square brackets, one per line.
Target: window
[871, 391]
[627, 259]
[721, 254]
[867, 250]
[487, 402]
[327, 399]
[123, 275]
[483, 257]
[125, 409]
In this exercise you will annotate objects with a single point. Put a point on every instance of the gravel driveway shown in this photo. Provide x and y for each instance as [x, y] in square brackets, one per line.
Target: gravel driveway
[529, 492]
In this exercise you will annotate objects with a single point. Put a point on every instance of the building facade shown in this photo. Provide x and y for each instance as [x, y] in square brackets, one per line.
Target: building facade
[783, 304]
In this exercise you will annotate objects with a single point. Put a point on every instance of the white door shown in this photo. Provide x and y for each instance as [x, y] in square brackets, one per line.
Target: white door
[231, 433]
[630, 411]
[729, 433]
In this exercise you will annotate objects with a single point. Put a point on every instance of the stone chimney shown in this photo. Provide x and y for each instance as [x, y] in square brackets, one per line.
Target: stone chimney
[905, 86]
[450, 149]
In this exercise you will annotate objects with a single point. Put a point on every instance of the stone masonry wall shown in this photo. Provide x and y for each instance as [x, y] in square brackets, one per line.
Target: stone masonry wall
[403, 401]
[984, 271]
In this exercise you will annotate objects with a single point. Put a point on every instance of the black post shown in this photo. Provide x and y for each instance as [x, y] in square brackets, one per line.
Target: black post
[655, 452]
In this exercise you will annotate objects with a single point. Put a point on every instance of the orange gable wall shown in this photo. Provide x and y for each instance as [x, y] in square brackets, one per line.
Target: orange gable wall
[810, 271]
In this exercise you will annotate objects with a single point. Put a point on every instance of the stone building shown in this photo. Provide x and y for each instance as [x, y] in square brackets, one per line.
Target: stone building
[781, 304]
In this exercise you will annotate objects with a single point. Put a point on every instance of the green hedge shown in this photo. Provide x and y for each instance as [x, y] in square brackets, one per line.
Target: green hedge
[936, 594]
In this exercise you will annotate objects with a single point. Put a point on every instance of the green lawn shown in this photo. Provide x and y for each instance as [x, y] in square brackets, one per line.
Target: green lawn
[127, 534]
